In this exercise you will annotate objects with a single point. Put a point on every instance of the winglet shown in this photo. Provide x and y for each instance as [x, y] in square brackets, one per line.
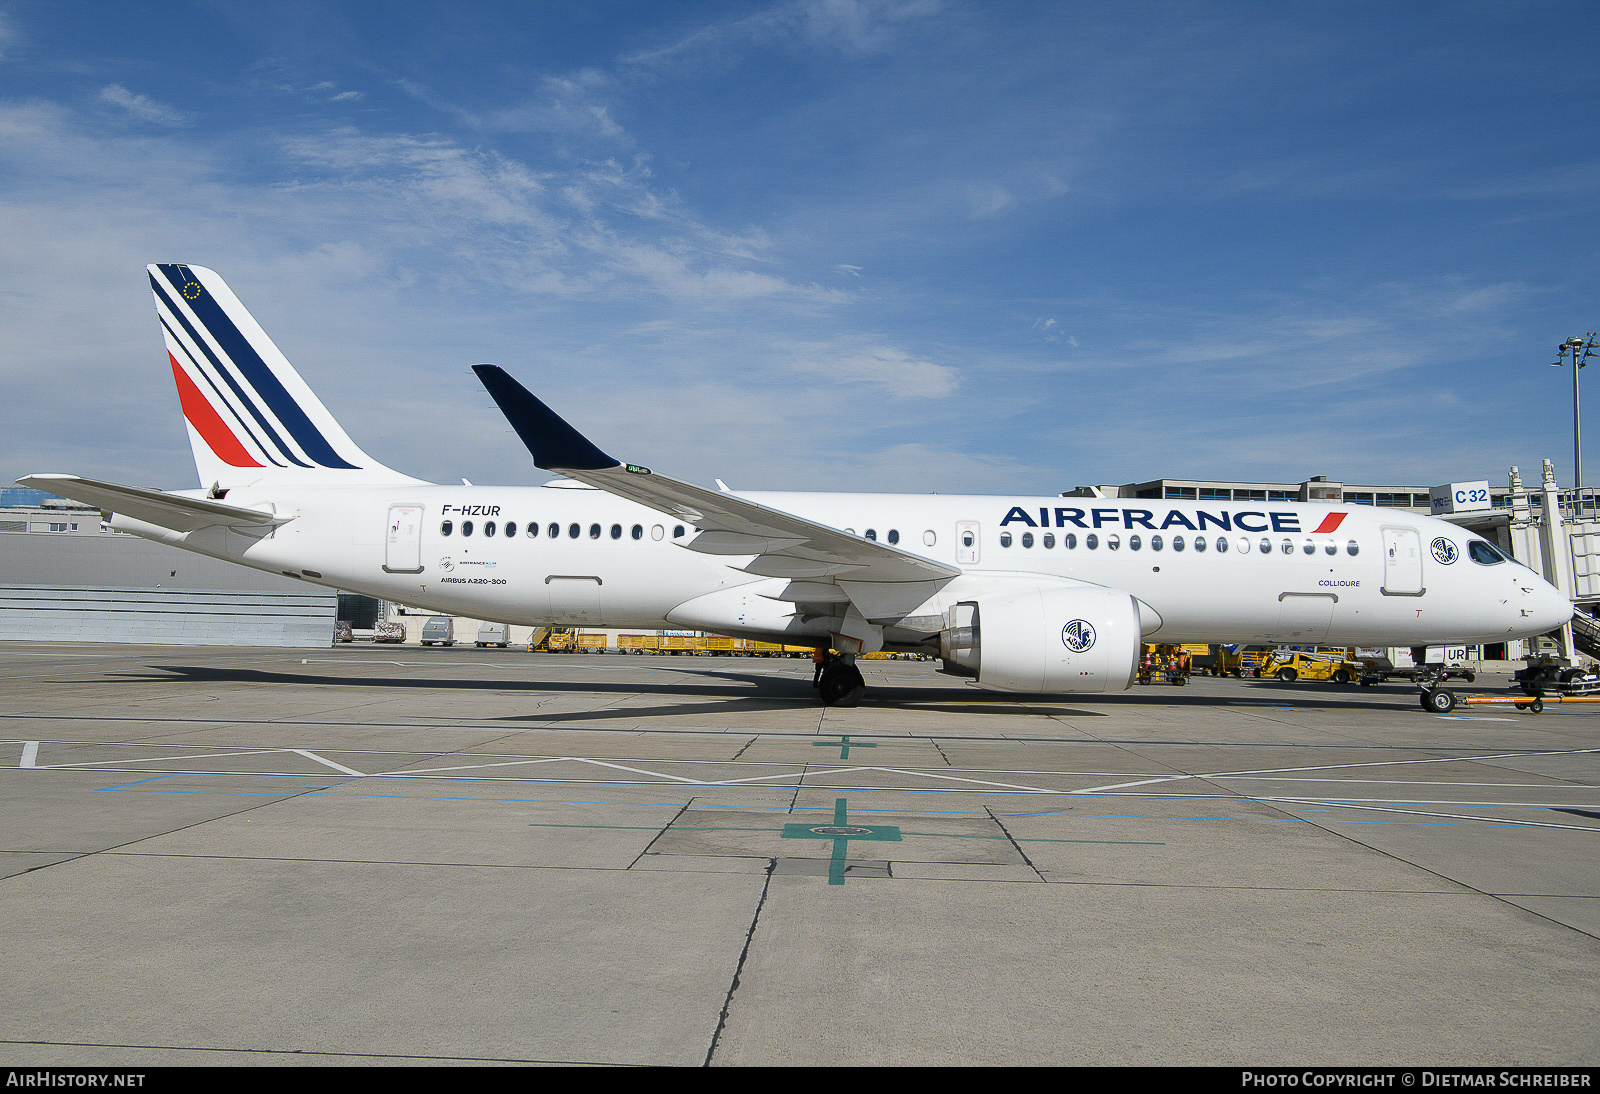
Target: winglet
[555, 445]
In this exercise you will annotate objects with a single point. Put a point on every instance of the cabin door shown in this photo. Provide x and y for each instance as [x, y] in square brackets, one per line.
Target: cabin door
[1402, 562]
[402, 553]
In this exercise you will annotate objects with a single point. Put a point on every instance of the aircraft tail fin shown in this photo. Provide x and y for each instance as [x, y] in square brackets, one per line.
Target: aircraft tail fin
[251, 418]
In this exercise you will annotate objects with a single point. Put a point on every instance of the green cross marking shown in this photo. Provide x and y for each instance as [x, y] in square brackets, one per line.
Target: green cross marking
[843, 745]
[841, 832]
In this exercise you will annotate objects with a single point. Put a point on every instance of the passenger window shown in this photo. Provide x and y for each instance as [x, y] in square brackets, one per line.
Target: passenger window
[638, 531]
[1091, 541]
[1133, 543]
[1177, 543]
[574, 531]
[511, 529]
[1330, 549]
[1288, 547]
[1049, 541]
[555, 531]
[446, 528]
[872, 534]
[1309, 548]
[616, 531]
[1199, 543]
[894, 537]
[1155, 543]
[1070, 541]
[1222, 545]
[1244, 546]
[466, 527]
[656, 532]
[488, 527]
[1005, 539]
[594, 531]
[1027, 539]
[1266, 545]
[533, 530]
[929, 539]
[1352, 548]
[677, 531]
[1113, 542]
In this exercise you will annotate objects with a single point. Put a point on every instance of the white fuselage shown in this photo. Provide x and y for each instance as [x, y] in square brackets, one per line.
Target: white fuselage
[1265, 574]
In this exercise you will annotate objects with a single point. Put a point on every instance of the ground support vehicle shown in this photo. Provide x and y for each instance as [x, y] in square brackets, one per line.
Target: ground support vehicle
[1162, 663]
[1227, 661]
[1544, 675]
[493, 634]
[1292, 665]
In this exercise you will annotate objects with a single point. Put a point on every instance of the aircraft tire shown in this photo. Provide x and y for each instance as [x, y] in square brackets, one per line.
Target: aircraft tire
[841, 686]
[1439, 701]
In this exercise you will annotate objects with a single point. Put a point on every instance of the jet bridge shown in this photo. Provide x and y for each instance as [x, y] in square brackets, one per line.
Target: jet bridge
[1555, 533]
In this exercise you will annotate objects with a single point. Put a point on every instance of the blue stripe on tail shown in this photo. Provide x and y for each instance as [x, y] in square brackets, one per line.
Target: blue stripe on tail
[255, 371]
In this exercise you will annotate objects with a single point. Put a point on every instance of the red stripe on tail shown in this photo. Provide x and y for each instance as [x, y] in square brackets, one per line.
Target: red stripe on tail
[207, 422]
[1330, 523]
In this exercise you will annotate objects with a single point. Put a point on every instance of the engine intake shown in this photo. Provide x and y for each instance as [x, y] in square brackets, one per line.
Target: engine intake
[1045, 639]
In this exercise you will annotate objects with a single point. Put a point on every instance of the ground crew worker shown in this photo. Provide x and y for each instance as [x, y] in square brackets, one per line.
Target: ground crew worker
[819, 657]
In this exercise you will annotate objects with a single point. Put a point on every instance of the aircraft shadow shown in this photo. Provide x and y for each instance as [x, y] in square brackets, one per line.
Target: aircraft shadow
[754, 692]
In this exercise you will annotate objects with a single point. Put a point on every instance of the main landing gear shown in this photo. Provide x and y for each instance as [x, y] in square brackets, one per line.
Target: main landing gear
[840, 683]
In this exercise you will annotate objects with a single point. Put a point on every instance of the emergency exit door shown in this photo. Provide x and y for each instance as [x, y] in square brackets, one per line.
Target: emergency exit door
[403, 545]
[967, 546]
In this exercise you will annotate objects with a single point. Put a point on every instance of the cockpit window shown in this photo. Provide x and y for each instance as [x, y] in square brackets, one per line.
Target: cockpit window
[1485, 553]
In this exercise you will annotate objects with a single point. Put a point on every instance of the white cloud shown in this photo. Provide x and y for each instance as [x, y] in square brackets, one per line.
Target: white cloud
[844, 26]
[887, 368]
[141, 106]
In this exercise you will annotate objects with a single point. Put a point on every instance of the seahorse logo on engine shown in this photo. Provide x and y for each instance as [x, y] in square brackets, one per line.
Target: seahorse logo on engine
[1078, 635]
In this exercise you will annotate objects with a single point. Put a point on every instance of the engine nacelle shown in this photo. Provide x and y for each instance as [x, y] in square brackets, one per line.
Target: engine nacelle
[1046, 639]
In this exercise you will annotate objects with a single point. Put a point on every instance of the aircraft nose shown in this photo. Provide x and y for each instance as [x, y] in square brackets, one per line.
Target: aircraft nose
[1549, 608]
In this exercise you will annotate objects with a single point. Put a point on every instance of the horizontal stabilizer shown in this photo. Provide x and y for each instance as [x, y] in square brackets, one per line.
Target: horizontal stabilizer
[156, 507]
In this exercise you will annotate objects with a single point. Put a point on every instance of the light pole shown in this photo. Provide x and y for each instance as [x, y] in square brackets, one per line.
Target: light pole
[1581, 350]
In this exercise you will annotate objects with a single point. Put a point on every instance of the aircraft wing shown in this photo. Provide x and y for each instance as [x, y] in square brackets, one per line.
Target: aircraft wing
[151, 506]
[785, 545]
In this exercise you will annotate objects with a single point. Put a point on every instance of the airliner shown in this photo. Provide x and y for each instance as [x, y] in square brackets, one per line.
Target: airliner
[1049, 595]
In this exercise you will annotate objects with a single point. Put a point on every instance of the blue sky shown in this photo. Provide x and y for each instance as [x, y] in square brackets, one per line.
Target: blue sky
[837, 244]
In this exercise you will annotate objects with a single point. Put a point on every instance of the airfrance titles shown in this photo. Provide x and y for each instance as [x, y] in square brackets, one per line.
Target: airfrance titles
[1198, 521]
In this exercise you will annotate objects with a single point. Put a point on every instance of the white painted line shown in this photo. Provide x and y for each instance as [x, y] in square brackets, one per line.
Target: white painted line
[30, 754]
[326, 762]
[1141, 782]
[153, 759]
[1447, 816]
[405, 771]
[638, 771]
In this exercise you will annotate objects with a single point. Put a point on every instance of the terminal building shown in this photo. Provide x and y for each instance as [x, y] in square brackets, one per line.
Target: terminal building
[65, 576]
